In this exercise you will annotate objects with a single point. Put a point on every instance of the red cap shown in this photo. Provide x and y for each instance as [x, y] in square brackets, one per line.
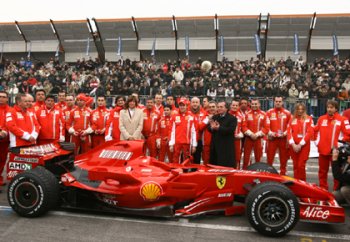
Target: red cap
[183, 100]
[89, 101]
[82, 97]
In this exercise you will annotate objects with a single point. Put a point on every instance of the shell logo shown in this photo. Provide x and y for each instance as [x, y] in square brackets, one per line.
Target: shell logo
[150, 191]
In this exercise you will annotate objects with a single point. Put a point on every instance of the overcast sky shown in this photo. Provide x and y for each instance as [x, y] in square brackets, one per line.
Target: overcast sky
[37, 10]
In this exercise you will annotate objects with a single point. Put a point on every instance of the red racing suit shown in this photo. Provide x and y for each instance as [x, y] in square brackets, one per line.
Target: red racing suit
[300, 131]
[37, 105]
[52, 123]
[150, 123]
[163, 137]
[199, 118]
[256, 123]
[66, 114]
[61, 105]
[80, 121]
[206, 140]
[183, 135]
[277, 137]
[328, 131]
[21, 126]
[98, 124]
[4, 142]
[241, 123]
[160, 109]
[112, 125]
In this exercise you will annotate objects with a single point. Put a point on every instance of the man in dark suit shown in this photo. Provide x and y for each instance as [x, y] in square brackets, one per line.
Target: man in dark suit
[222, 126]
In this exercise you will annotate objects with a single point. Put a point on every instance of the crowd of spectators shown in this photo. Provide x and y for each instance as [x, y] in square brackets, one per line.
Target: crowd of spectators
[323, 78]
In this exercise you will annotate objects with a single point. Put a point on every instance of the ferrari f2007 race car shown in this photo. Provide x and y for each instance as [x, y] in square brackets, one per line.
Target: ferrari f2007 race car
[117, 177]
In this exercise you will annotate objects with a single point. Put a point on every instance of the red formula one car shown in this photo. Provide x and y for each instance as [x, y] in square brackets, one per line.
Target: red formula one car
[117, 177]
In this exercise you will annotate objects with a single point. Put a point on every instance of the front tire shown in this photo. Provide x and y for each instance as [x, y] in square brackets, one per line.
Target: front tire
[33, 193]
[272, 209]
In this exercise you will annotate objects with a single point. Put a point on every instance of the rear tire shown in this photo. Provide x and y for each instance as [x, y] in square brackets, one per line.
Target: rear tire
[272, 209]
[33, 193]
[262, 167]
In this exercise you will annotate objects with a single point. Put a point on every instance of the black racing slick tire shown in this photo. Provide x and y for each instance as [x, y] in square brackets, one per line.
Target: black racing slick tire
[262, 167]
[272, 209]
[33, 193]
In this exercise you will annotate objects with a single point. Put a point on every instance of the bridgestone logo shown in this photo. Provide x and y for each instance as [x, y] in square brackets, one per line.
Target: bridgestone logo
[30, 160]
[20, 166]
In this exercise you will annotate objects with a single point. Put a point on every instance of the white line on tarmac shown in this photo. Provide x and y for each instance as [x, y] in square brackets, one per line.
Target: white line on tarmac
[185, 223]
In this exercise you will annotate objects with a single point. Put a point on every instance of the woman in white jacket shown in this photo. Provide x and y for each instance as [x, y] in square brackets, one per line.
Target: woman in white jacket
[13, 91]
[304, 94]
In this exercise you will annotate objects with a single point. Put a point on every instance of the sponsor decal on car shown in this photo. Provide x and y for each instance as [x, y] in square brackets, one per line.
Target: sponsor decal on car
[224, 194]
[115, 154]
[232, 171]
[220, 182]
[146, 170]
[151, 191]
[316, 212]
[20, 166]
[11, 174]
[38, 150]
[110, 201]
[26, 159]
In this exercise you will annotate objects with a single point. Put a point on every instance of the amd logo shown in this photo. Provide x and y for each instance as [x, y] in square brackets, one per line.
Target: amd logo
[316, 212]
[20, 166]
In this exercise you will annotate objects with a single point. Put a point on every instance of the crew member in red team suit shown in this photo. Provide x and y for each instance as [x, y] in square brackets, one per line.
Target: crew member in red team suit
[112, 125]
[346, 113]
[183, 136]
[235, 111]
[79, 125]
[170, 100]
[163, 134]
[150, 123]
[70, 104]
[98, 122]
[205, 103]
[277, 137]
[328, 131]
[4, 138]
[39, 99]
[61, 103]
[52, 121]
[257, 127]
[244, 106]
[158, 99]
[30, 102]
[199, 115]
[22, 124]
[99, 119]
[299, 133]
[206, 136]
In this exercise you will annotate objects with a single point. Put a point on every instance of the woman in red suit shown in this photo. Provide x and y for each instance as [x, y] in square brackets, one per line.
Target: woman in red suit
[299, 132]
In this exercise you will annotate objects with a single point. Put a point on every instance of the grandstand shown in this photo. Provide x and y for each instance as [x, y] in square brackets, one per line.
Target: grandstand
[208, 37]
